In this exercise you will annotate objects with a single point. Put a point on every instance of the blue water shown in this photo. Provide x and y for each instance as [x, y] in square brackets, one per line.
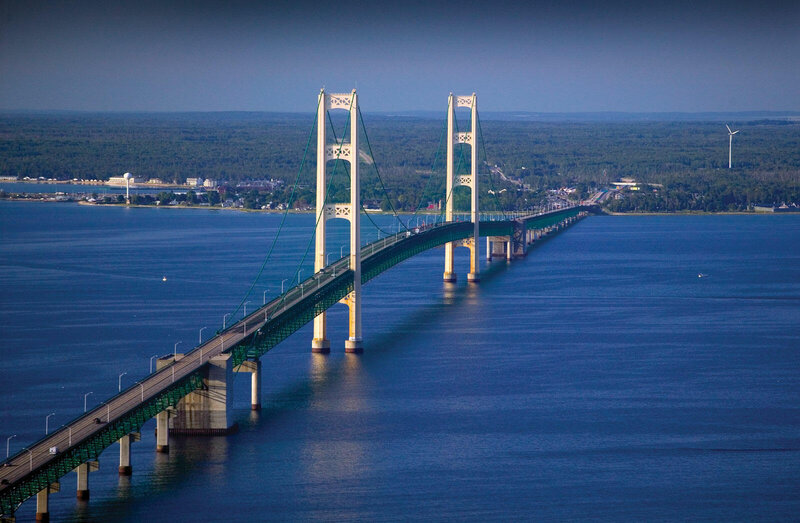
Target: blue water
[599, 378]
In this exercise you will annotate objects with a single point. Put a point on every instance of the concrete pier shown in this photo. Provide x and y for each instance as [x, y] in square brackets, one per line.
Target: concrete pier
[353, 346]
[42, 501]
[208, 411]
[162, 431]
[254, 368]
[125, 468]
[83, 481]
[162, 418]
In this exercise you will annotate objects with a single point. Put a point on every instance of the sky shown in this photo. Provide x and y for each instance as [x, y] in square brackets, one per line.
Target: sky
[275, 55]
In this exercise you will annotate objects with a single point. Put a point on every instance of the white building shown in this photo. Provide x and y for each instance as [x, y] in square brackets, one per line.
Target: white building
[118, 181]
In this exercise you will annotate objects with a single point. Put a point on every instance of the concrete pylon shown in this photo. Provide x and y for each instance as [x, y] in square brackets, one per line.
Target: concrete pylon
[125, 441]
[471, 138]
[162, 418]
[42, 502]
[254, 368]
[208, 411]
[344, 151]
[320, 343]
[83, 471]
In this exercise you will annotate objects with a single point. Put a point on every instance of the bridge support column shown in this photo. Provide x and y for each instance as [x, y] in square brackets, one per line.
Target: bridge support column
[488, 249]
[83, 481]
[254, 368]
[470, 138]
[208, 411]
[162, 431]
[320, 343]
[353, 344]
[498, 246]
[348, 152]
[449, 270]
[125, 441]
[42, 508]
[42, 502]
[162, 418]
[255, 387]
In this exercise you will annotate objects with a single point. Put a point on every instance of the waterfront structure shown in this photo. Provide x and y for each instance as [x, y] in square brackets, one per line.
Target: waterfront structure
[192, 393]
[343, 151]
[470, 180]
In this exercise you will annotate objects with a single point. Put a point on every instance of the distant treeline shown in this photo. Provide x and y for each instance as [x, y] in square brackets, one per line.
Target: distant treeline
[688, 159]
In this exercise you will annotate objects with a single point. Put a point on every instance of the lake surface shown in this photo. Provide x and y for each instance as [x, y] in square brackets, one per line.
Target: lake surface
[598, 378]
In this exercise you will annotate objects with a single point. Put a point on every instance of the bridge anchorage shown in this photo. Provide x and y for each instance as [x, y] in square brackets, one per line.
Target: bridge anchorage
[192, 393]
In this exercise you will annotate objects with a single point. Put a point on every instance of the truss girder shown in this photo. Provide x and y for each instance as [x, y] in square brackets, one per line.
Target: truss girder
[91, 447]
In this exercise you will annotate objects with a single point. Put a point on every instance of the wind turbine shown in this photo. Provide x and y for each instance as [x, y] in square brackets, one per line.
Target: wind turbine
[730, 144]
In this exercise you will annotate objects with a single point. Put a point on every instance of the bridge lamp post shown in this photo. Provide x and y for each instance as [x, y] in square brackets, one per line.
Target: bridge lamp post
[341, 251]
[119, 382]
[282, 282]
[151, 362]
[8, 443]
[265, 296]
[47, 423]
[200, 336]
[175, 349]
[85, 396]
[245, 309]
[141, 387]
[225, 319]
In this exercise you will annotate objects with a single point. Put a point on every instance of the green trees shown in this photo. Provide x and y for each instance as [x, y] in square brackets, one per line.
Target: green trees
[687, 159]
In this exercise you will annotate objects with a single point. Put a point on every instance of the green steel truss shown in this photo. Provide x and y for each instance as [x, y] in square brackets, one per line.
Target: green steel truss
[91, 447]
[280, 326]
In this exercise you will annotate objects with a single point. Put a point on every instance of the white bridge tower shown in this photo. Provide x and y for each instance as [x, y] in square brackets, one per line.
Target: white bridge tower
[346, 151]
[469, 180]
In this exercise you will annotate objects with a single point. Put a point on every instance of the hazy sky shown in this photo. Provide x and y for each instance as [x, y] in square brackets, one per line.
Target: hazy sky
[559, 56]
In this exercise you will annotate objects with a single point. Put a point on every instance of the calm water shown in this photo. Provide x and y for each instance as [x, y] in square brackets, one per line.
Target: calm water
[599, 378]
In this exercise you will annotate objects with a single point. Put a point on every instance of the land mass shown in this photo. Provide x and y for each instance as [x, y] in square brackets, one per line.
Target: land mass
[672, 165]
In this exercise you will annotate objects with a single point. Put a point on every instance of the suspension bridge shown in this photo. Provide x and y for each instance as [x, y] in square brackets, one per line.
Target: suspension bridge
[191, 393]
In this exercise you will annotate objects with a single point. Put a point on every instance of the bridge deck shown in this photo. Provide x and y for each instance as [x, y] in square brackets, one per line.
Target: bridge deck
[35, 467]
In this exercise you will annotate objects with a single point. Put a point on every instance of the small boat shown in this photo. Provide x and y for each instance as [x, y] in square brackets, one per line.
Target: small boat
[164, 278]
[701, 275]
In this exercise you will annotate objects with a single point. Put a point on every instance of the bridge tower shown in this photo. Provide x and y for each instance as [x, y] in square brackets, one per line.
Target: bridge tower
[470, 180]
[346, 151]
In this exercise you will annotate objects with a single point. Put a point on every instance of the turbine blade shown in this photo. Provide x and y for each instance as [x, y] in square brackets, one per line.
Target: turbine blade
[729, 129]
[734, 132]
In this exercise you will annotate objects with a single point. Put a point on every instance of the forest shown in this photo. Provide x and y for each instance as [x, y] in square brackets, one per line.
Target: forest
[519, 161]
